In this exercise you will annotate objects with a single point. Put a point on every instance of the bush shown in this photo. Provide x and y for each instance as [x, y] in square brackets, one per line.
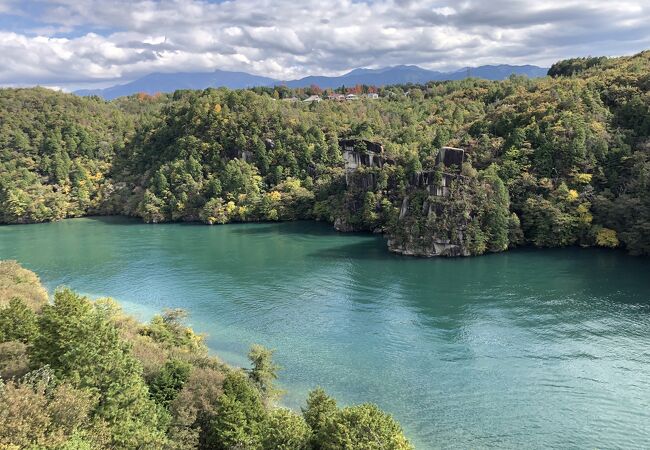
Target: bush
[285, 430]
[363, 427]
[606, 238]
[16, 282]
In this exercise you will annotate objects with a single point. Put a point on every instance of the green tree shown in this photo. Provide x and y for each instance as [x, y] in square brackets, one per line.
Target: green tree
[18, 322]
[240, 415]
[239, 177]
[169, 329]
[497, 211]
[320, 410]
[166, 385]
[285, 430]
[83, 347]
[264, 371]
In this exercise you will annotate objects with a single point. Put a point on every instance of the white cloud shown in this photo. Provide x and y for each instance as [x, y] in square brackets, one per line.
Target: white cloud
[77, 42]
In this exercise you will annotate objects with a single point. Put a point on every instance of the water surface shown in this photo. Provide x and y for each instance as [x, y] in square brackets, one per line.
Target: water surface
[526, 349]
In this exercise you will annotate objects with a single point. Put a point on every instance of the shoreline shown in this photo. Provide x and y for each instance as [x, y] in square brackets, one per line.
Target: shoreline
[411, 256]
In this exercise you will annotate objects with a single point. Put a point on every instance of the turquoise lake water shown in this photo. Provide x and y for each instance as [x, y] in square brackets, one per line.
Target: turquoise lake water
[525, 349]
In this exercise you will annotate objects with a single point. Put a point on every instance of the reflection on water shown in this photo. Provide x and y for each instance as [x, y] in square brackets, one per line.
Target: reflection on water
[523, 349]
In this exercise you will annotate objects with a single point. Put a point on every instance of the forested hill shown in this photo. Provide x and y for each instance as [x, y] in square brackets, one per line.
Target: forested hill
[562, 160]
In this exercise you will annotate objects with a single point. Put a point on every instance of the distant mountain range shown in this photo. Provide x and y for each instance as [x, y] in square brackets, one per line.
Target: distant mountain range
[415, 74]
[169, 82]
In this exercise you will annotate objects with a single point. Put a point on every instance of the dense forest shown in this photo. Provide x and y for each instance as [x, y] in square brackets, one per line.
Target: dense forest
[558, 161]
[77, 374]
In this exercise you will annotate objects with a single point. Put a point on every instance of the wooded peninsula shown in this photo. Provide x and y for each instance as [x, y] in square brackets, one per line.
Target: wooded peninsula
[77, 374]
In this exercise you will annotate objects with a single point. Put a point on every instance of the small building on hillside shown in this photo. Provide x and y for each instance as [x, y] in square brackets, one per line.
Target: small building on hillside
[352, 97]
[372, 96]
[336, 97]
[313, 98]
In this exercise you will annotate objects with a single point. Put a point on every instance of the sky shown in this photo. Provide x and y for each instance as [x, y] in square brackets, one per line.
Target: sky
[90, 43]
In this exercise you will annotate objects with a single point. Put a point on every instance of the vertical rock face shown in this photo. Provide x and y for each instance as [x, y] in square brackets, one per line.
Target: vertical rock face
[439, 212]
[359, 154]
[404, 208]
[435, 220]
[450, 156]
[342, 225]
[360, 195]
[238, 153]
[364, 161]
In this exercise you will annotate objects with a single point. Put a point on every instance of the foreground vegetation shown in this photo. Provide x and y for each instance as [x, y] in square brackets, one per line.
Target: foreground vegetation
[77, 374]
[563, 160]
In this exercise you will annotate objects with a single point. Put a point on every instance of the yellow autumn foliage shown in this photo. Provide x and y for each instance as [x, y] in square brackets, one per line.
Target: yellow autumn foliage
[606, 237]
[583, 178]
[584, 214]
